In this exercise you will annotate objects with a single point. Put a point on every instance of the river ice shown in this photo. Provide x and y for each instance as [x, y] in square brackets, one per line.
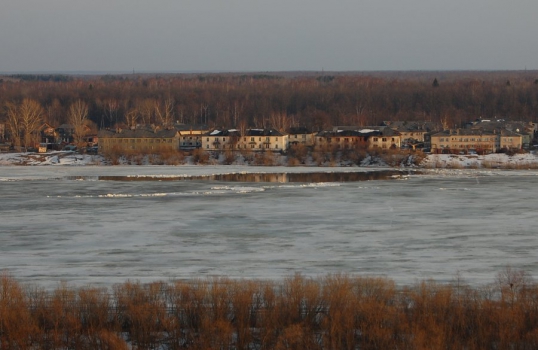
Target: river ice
[54, 228]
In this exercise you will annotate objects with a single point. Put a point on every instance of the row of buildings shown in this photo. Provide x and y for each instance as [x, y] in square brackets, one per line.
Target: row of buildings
[482, 136]
[147, 139]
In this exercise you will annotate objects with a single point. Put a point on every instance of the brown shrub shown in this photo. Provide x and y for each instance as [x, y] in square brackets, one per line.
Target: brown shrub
[17, 327]
[171, 156]
[393, 157]
[229, 157]
[199, 156]
[335, 312]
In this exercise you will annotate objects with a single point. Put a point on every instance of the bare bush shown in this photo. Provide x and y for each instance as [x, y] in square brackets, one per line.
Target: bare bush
[334, 312]
[199, 156]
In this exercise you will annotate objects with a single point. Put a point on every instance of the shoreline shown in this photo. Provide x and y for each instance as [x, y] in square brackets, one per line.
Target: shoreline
[431, 161]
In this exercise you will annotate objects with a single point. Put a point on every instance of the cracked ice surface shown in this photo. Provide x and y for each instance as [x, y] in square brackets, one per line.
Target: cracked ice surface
[53, 228]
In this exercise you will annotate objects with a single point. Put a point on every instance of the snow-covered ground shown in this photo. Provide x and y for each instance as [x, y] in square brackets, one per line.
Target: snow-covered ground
[51, 158]
[517, 161]
[494, 160]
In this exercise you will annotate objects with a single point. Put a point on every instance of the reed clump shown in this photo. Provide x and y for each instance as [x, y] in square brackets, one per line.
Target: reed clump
[331, 312]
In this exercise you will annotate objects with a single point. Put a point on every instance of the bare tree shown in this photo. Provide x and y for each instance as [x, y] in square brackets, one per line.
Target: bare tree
[242, 127]
[110, 108]
[280, 121]
[146, 109]
[54, 112]
[165, 112]
[14, 126]
[78, 113]
[131, 117]
[24, 121]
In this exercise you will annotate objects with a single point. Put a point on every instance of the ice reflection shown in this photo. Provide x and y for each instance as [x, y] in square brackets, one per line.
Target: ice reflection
[263, 177]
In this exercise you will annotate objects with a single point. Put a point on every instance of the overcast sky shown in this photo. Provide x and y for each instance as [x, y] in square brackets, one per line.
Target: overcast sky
[275, 35]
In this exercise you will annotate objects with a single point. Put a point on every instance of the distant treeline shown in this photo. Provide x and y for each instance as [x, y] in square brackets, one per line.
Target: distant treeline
[315, 100]
[41, 77]
[334, 312]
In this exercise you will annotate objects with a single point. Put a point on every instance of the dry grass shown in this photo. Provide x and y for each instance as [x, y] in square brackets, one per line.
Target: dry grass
[334, 312]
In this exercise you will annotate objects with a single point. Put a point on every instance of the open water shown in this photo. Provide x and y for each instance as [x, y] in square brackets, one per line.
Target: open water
[95, 225]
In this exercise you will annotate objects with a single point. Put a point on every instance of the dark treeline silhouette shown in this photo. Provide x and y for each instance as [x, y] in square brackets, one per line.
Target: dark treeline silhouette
[280, 100]
[333, 312]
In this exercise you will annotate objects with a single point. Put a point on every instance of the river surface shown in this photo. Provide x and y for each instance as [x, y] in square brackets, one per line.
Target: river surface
[95, 225]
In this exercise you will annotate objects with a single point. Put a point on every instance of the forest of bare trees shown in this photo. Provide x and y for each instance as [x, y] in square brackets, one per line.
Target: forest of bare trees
[317, 101]
[332, 312]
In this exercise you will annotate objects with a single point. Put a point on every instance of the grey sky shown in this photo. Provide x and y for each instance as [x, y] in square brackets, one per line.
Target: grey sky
[253, 35]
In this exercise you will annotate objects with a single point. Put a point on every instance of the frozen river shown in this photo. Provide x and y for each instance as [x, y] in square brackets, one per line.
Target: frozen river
[92, 225]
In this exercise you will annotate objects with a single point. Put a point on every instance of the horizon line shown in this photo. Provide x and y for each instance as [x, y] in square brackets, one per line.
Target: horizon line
[141, 72]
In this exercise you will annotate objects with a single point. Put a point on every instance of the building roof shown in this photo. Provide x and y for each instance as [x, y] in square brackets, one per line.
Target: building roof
[66, 126]
[301, 130]
[515, 126]
[371, 130]
[476, 132]
[412, 126]
[137, 133]
[191, 127]
[263, 132]
[349, 133]
[226, 132]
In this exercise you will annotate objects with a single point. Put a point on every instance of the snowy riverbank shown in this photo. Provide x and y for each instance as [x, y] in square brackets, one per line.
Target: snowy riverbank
[517, 161]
